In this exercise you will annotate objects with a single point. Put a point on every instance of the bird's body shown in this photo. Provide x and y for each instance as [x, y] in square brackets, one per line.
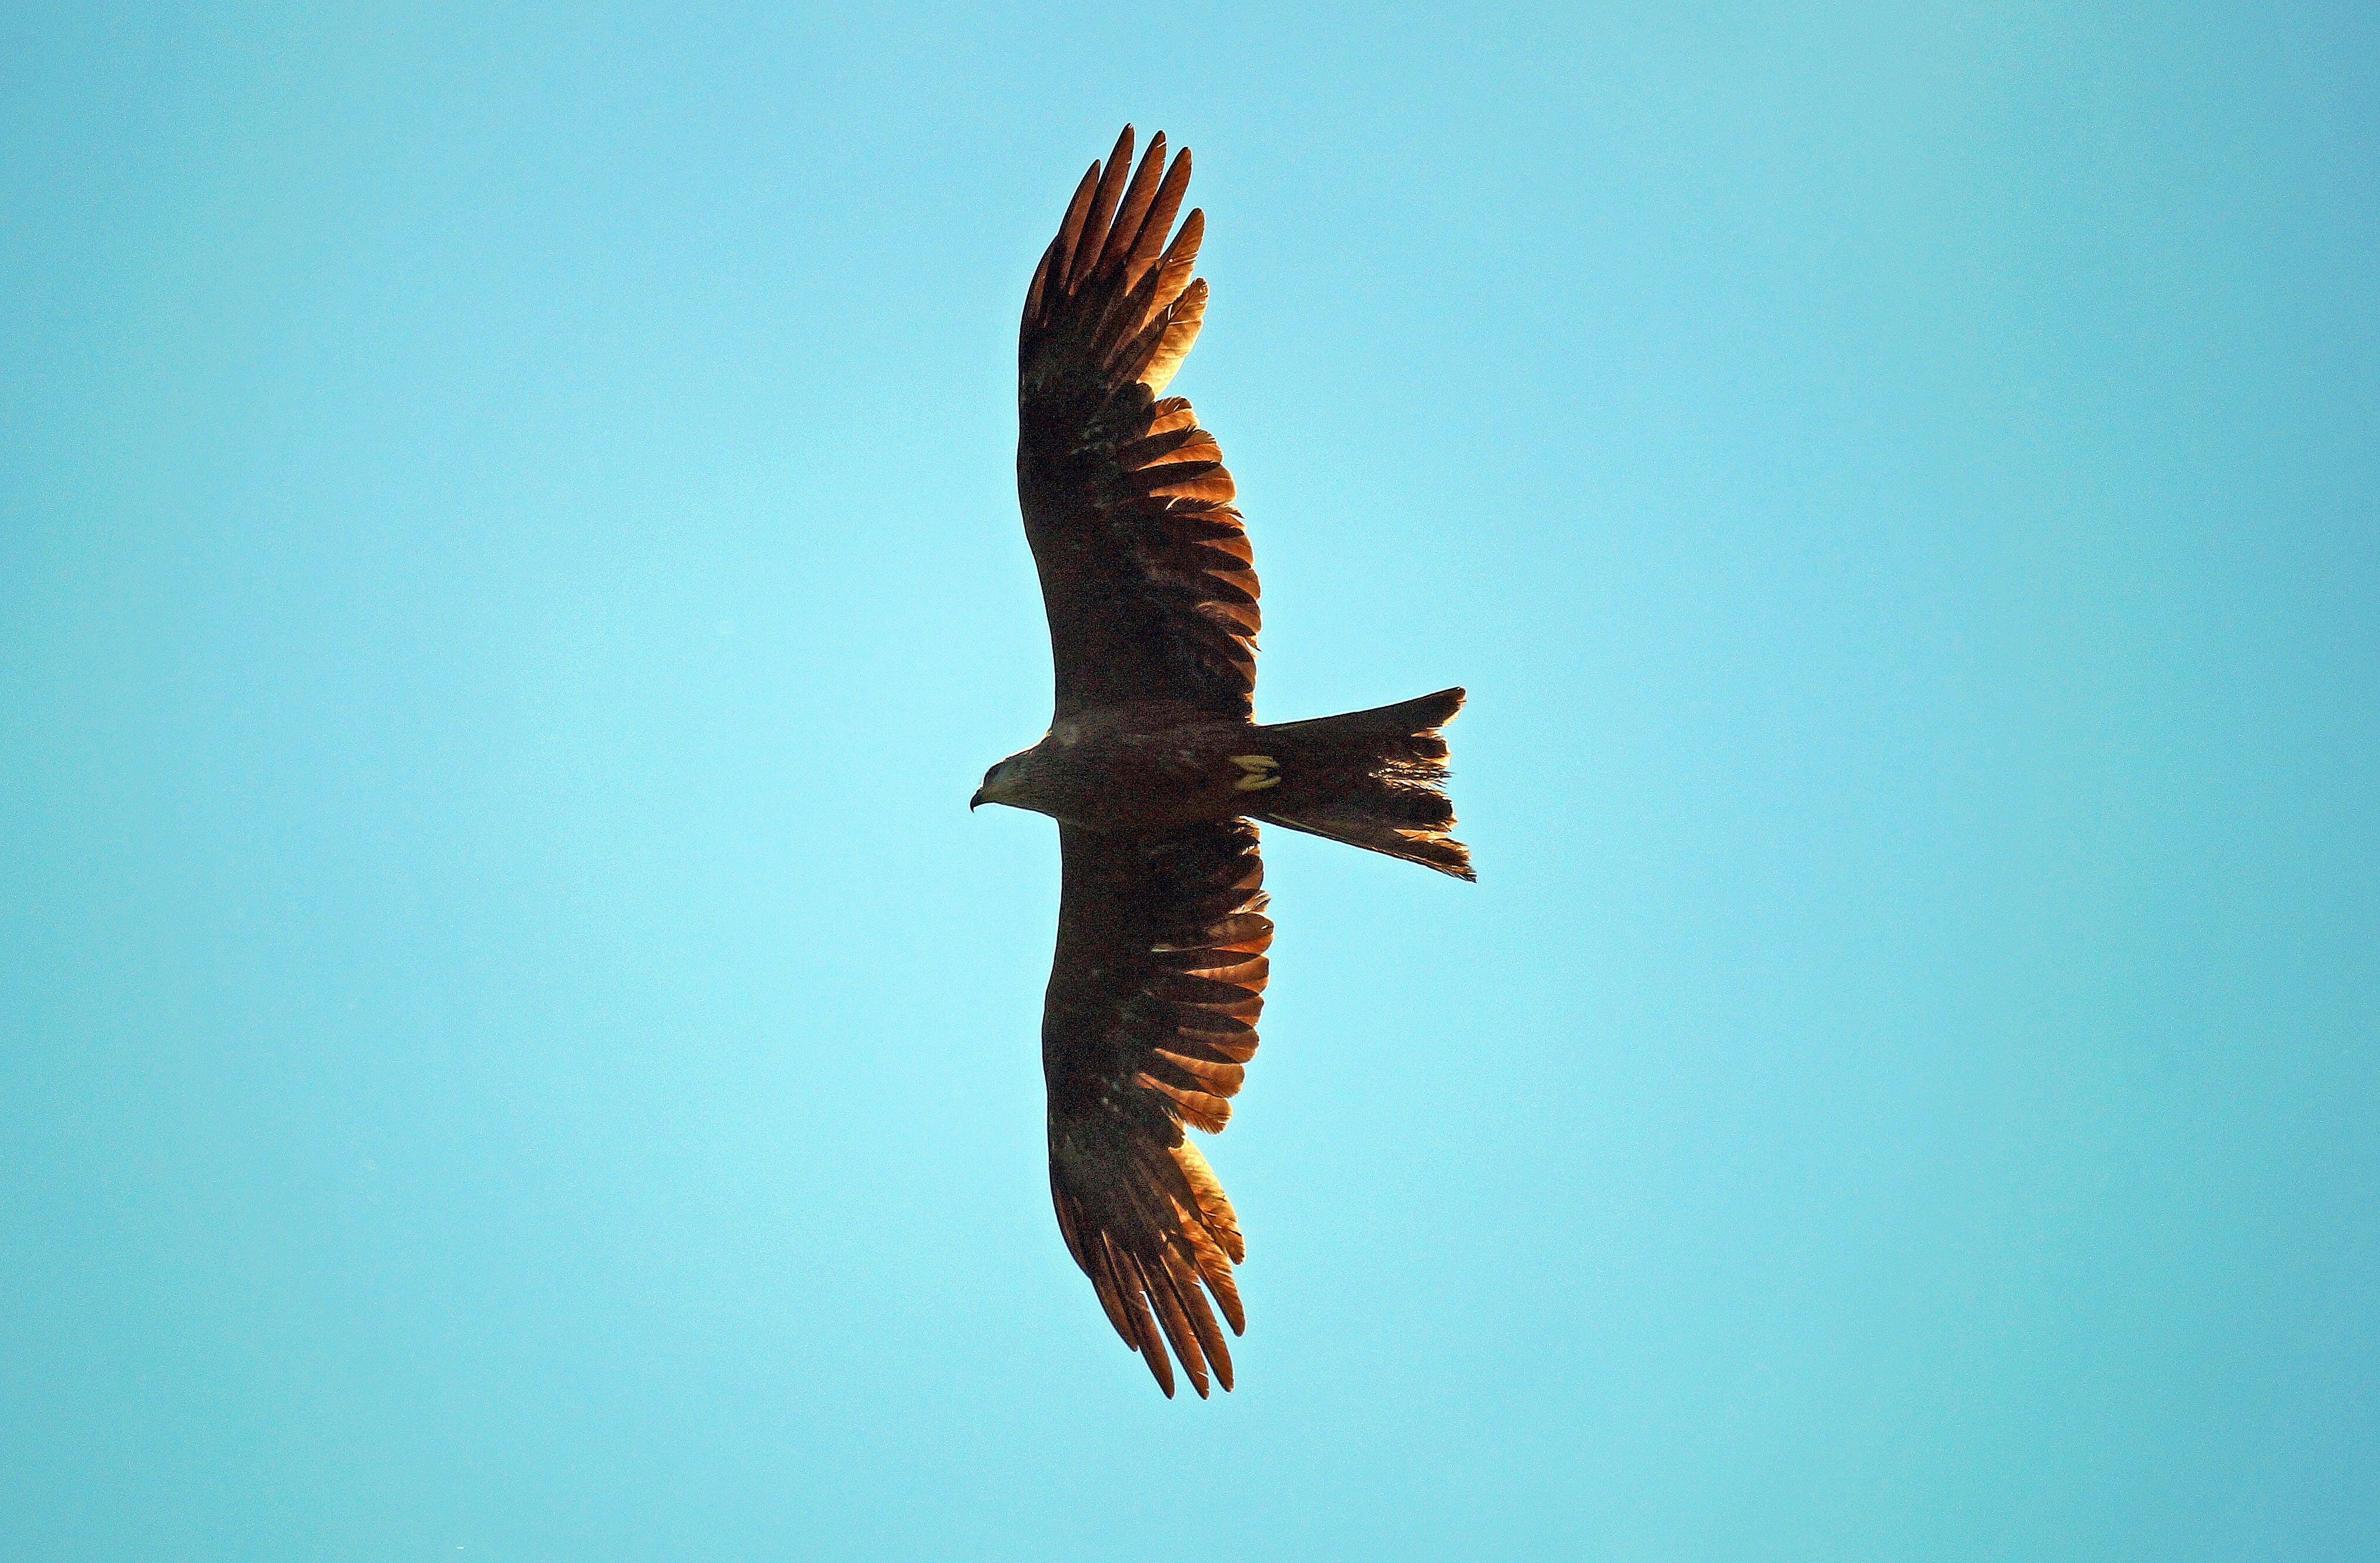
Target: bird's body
[1155, 768]
[1145, 767]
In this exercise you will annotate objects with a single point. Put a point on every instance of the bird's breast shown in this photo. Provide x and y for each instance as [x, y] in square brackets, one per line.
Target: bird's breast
[1117, 776]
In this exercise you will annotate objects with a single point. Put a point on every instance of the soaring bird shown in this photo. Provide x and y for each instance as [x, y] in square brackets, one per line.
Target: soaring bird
[1155, 770]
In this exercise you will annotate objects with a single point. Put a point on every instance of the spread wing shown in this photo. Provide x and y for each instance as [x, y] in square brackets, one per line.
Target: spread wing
[1145, 565]
[1153, 999]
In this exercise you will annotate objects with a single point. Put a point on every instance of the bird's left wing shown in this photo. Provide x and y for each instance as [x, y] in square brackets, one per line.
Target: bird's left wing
[1144, 566]
[1153, 997]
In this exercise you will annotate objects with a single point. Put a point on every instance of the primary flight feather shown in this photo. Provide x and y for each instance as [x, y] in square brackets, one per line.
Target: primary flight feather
[1155, 768]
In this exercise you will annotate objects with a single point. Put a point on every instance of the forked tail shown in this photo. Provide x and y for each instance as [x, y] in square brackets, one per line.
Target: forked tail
[1372, 779]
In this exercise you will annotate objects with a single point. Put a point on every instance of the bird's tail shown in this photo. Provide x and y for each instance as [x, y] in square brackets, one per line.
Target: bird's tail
[1372, 779]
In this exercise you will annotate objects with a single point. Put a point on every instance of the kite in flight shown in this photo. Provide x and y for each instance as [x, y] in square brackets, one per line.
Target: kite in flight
[1155, 768]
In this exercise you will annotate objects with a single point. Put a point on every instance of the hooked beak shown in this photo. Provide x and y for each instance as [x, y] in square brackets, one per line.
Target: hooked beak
[976, 801]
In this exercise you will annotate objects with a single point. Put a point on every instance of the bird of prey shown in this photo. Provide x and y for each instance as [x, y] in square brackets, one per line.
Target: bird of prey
[1155, 770]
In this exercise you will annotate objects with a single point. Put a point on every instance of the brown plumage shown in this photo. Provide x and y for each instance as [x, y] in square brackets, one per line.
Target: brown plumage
[1154, 765]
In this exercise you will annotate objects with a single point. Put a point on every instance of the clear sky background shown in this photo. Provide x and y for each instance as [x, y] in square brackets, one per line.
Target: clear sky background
[512, 1047]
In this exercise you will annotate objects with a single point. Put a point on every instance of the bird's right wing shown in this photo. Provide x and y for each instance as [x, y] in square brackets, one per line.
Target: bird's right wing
[1153, 999]
[1145, 565]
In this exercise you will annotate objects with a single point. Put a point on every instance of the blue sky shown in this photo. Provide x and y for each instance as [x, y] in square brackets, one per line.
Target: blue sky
[513, 1048]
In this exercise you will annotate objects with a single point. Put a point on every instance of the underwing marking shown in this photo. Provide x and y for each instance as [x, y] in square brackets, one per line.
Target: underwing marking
[1262, 771]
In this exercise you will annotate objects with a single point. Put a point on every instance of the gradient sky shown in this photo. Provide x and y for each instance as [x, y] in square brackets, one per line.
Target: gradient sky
[512, 1047]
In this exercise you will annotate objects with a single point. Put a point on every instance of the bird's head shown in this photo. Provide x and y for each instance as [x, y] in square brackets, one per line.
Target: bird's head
[1000, 784]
